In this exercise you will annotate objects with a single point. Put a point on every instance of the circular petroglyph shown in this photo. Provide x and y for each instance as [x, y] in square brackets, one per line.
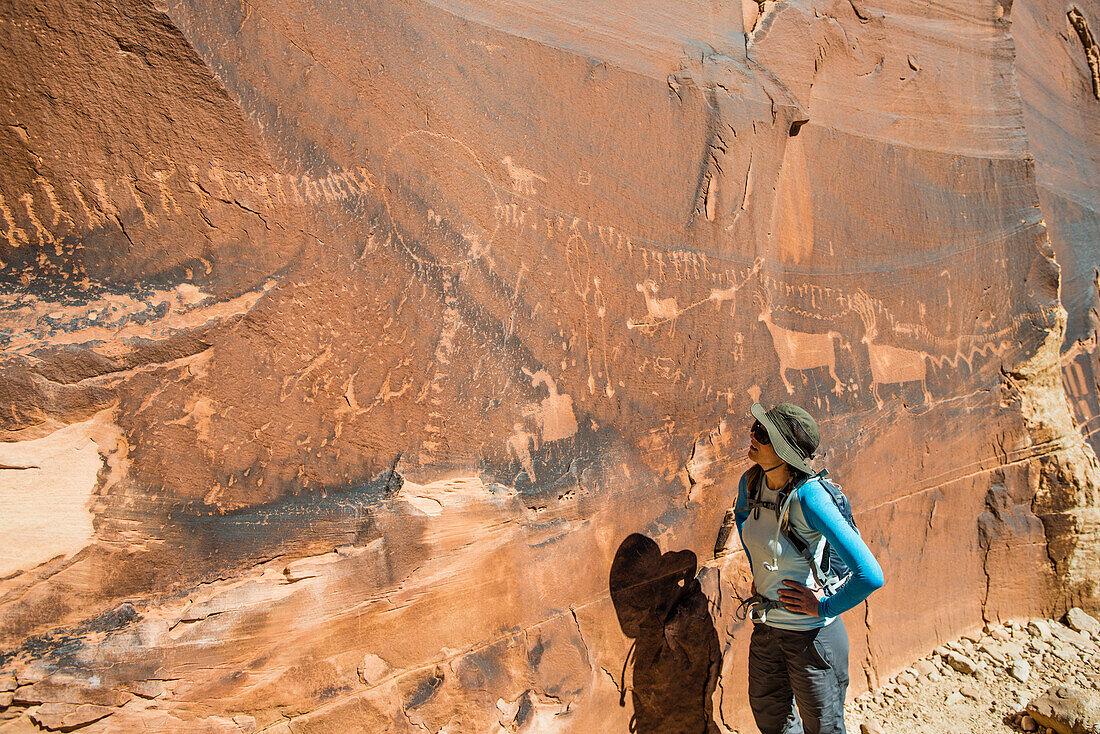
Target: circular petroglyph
[440, 199]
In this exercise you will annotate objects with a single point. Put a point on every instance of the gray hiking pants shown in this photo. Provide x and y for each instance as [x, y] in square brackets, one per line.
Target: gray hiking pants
[808, 668]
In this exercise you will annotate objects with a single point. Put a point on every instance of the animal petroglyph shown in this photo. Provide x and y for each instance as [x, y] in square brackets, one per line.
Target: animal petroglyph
[798, 350]
[664, 310]
[657, 308]
[721, 295]
[889, 364]
[523, 179]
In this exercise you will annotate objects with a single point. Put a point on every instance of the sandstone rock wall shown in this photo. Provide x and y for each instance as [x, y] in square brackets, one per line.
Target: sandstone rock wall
[385, 366]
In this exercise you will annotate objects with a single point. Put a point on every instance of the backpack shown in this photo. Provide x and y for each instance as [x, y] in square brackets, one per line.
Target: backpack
[833, 571]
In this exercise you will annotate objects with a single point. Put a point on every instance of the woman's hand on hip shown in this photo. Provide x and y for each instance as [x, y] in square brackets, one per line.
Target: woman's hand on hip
[799, 598]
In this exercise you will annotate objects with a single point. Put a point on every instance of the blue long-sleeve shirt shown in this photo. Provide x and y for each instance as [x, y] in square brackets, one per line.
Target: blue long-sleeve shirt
[816, 519]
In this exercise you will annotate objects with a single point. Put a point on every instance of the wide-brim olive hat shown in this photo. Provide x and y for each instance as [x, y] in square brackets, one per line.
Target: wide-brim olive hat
[793, 433]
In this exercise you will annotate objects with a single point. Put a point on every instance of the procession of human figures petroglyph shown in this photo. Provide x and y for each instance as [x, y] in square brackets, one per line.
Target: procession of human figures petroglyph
[40, 215]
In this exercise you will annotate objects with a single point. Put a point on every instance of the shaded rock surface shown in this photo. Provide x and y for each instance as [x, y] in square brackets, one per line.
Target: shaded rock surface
[355, 355]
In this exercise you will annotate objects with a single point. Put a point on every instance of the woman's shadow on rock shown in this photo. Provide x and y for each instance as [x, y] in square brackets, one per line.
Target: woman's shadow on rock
[676, 654]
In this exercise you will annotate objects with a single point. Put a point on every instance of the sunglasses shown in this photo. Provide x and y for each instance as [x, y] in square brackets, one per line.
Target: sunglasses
[760, 433]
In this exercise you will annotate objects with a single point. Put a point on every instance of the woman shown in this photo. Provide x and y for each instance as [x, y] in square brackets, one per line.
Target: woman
[798, 653]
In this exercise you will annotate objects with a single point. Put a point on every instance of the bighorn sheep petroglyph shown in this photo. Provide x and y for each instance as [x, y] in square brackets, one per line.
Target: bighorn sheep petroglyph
[798, 350]
[889, 365]
[523, 179]
[658, 310]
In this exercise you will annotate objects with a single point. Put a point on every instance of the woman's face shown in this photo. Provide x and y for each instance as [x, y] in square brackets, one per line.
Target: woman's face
[761, 453]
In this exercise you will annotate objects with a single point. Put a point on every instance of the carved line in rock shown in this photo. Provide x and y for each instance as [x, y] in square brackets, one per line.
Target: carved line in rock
[994, 462]
[477, 249]
[517, 211]
[734, 558]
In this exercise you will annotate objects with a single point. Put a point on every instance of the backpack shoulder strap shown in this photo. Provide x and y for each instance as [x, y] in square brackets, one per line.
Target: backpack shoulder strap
[754, 502]
[793, 538]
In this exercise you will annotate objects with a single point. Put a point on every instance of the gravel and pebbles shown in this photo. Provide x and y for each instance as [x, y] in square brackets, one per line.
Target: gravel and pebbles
[1006, 678]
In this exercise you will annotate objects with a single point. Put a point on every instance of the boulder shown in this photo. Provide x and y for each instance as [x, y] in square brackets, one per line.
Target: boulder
[1067, 710]
[971, 692]
[870, 726]
[962, 663]
[1080, 621]
[924, 668]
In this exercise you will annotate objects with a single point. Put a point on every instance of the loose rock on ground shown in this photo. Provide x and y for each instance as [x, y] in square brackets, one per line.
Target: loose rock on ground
[1035, 675]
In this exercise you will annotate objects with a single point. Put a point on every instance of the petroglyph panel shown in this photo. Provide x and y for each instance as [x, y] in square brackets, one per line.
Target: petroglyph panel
[415, 317]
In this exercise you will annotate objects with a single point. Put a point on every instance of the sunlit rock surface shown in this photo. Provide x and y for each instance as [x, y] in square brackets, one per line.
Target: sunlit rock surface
[386, 366]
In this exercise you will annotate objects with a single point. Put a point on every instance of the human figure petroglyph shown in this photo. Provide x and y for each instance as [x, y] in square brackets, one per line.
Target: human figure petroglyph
[520, 445]
[477, 249]
[167, 202]
[601, 311]
[578, 257]
[156, 196]
[523, 179]
[889, 364]
[798, 350]
[15, 236]
[148, 217]
[555, 413]
[106, 206]
[95, 218]
[51, 197]
[40, 230]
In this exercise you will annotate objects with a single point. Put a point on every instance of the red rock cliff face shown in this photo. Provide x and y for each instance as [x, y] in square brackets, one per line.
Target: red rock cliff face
[385, 367]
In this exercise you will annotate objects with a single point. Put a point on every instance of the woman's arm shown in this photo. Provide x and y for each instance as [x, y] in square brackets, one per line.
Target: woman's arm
[822, 515]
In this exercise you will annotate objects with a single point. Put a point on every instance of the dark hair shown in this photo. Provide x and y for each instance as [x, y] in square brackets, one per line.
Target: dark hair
[797, 475]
